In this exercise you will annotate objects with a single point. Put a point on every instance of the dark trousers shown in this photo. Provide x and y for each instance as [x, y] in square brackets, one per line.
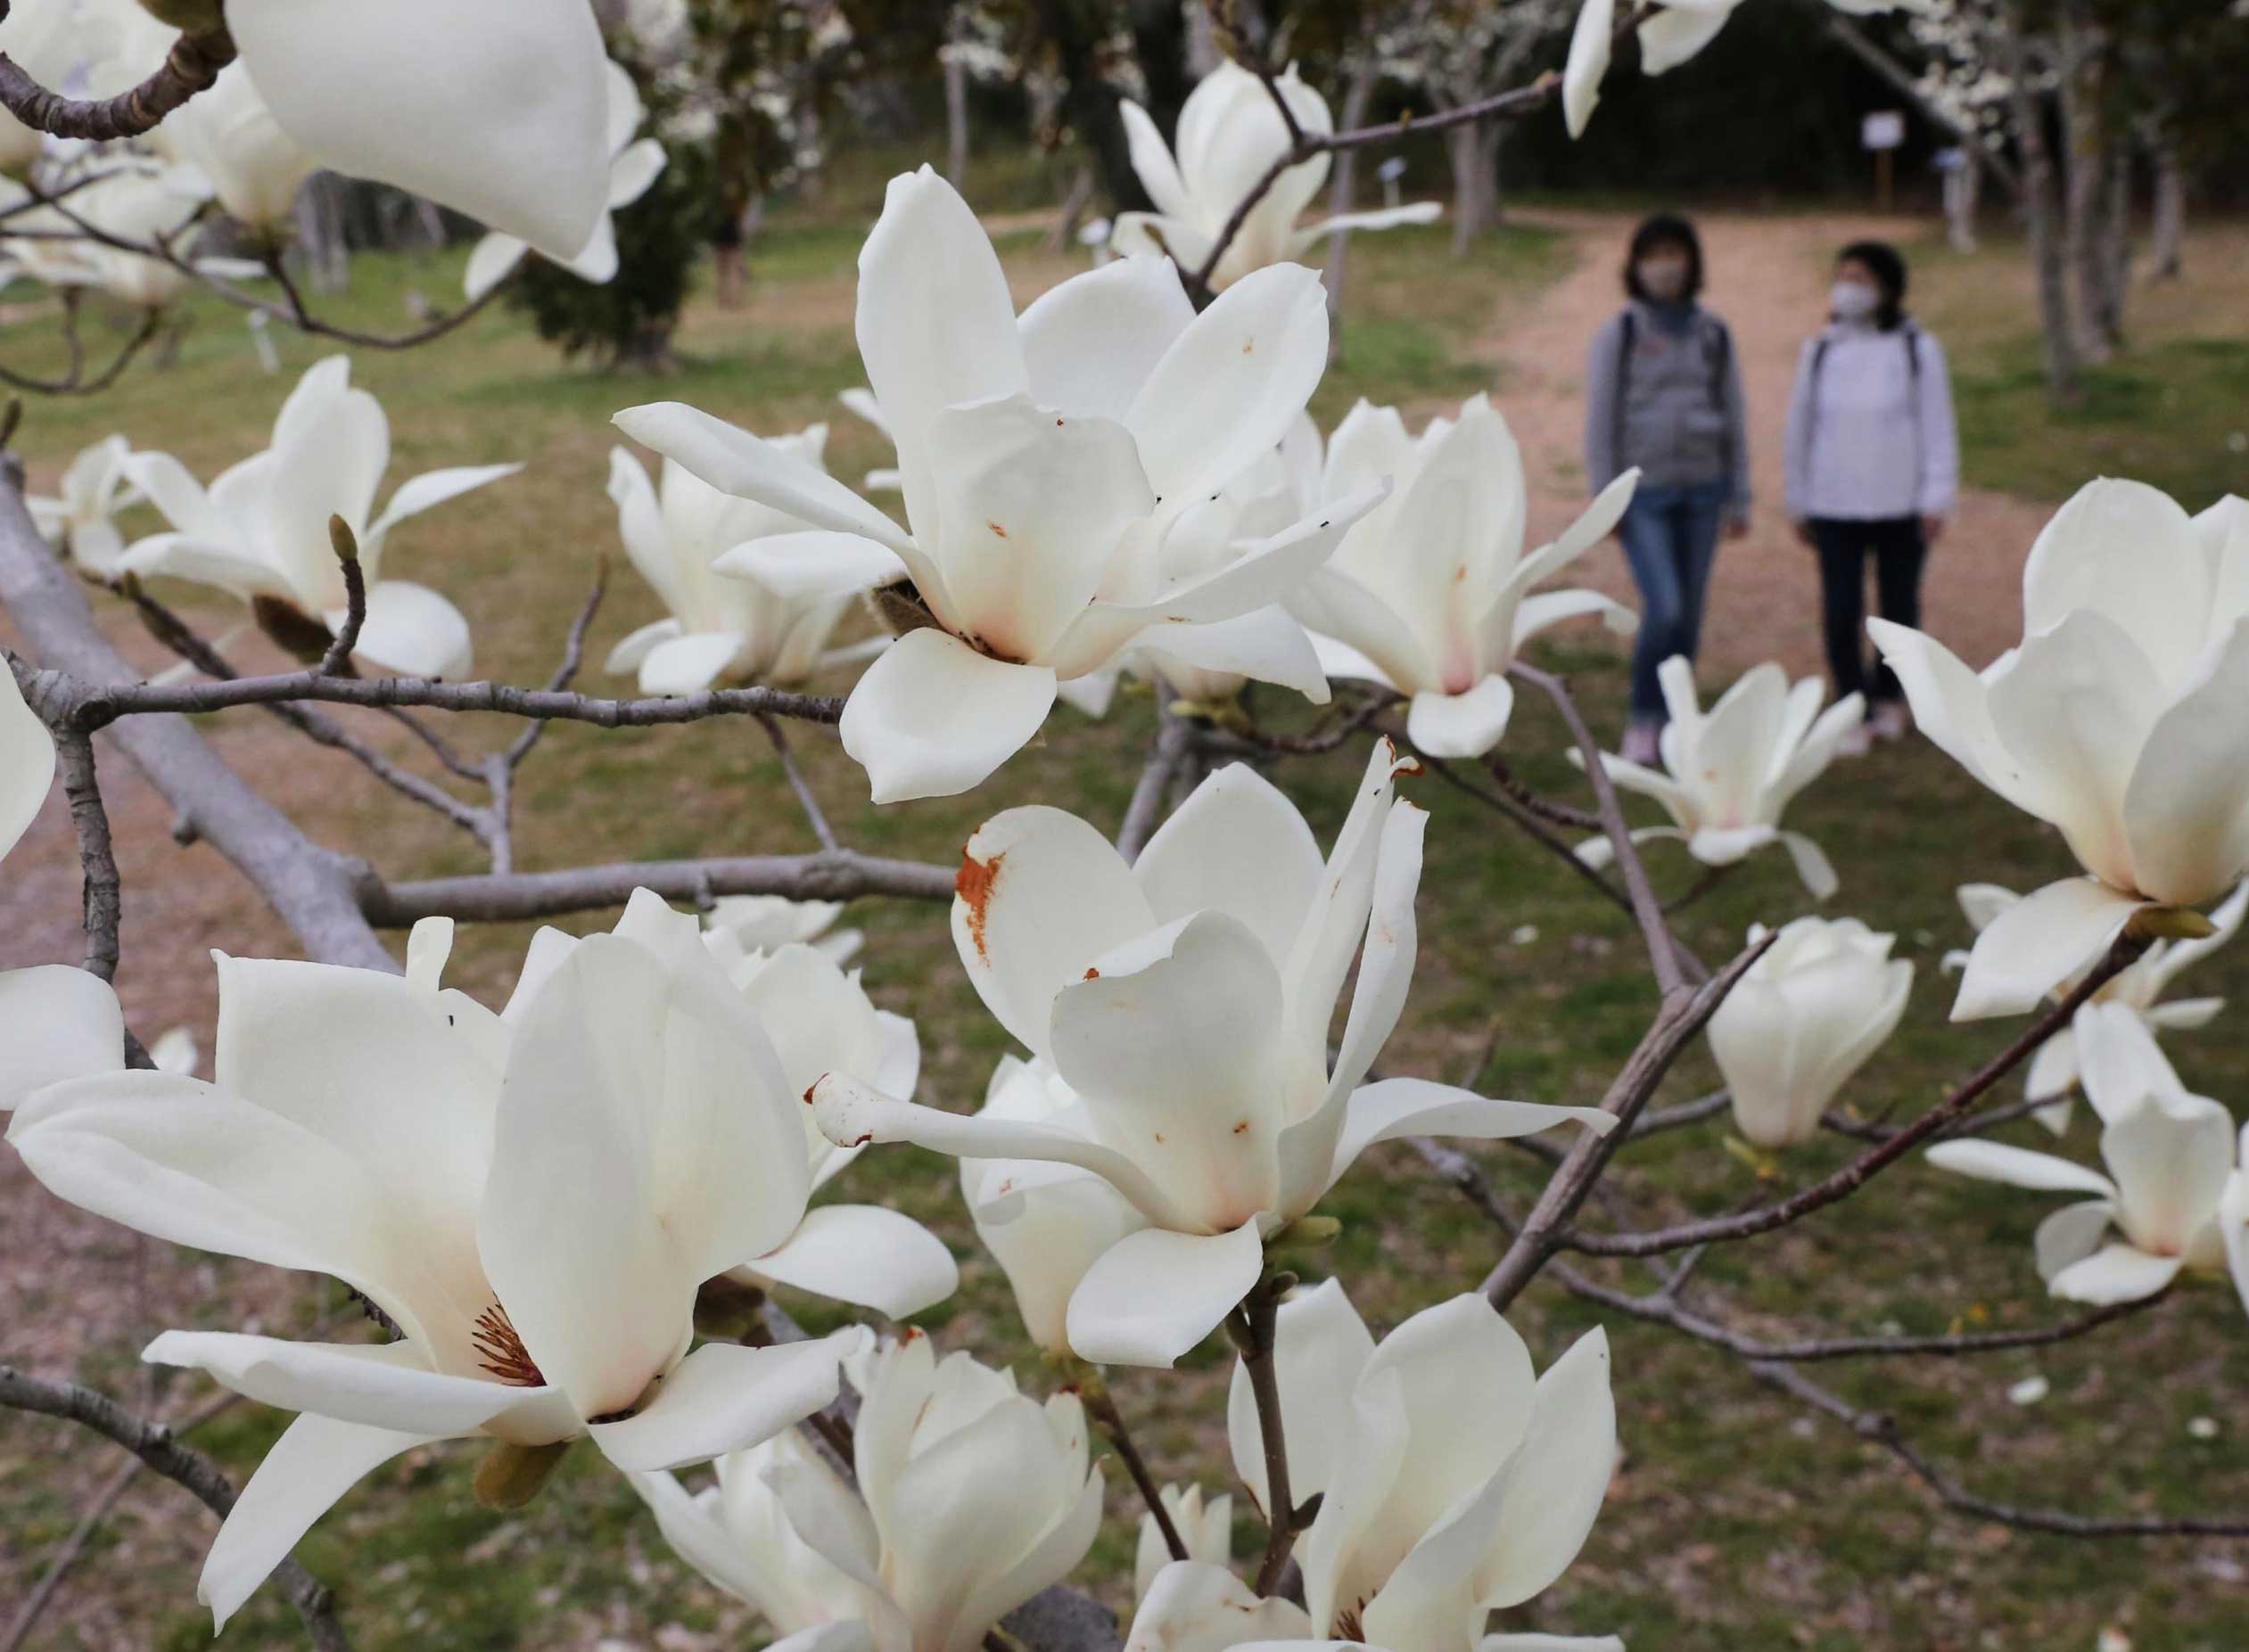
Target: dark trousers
[1899, 551]
[1671, 538]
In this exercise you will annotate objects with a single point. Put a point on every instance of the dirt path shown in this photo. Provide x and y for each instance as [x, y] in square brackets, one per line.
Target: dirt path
[1767, 276]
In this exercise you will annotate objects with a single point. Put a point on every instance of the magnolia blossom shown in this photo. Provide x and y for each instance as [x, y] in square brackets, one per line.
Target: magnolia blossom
[1451, 1482]
[766, 922]
[634, 166]
[1199, 1605]
[1205, 1526]
[1673, 33]
[2139, 987]
[2169, 1157]
[1184, 1000]
[2115, 721]
[494, 110]
[262, 530]
[1044, 463]
[532, 1199]
[136, 201]
[970, 1498]
[81, 520]
[1734, 772]
[720, 629]
[1805, 1017]
[859, 401]
[1230, 134]
[1429, 594]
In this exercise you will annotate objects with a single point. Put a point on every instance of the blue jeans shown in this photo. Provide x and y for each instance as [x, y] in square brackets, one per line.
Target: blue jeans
[1671, 538]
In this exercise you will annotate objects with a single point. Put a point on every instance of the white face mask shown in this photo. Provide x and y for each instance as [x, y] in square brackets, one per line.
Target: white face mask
[1854, 300]
[1664, 280]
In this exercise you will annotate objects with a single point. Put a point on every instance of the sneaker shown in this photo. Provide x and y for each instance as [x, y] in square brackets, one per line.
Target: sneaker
[1858, 740]
[1641, 744]
[1890, 722]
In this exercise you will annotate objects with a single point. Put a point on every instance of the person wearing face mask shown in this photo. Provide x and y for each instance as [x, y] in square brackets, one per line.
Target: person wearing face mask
[1873, 464]
[1664, 394]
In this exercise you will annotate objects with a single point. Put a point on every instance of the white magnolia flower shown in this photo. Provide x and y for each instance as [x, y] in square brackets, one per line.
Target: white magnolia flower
[57, 1022]
[2169, 1157]
[1429, 594]
[1451, 1483]
[1803, 1019]
[1230, 134]
[262, 530]
[1675, 32]
[739, 1534]
[1045, 1223]
[137, 201]
[634, 166]
[27, 762]
[768, 923]
[532, 1199]
[2139, 987]
[720, 629]
[1185, 1000]
[1734, 772]
[50, 43]
[1199, 1605]
[971, 1498]
[1206, 1525]
[226, 133]
[2114, 722]
[1044, 463]
[81, 520]
[495, 111]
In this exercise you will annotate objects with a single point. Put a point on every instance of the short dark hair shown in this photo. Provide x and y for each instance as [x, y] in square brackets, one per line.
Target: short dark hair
[1664, 229]
[1887, 266]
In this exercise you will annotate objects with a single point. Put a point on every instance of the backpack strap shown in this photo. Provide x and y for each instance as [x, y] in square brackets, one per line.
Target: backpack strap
[1627, 341]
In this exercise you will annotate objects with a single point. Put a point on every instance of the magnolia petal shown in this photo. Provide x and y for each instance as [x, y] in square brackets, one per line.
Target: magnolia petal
[936, 325]
[1152, 161]
[2170, 1158]
[1386, 959]
[2115, 1273]
[933, 717]
[1587, 64]
[1673, 34]
[725, 1397]
[1544, 609]
[1812, 868]
[1090, 343]
[56, 1022]
[27, 762]
[1395, 1107]
[1461, 725]
[2070, 1235]
[1237, 845]
[1951, 705]
[2118, 1060]
[1320, 1347]
[412, 630]
[2127, 551]
[379, 1385]
[493, 260]
[1155, 1294]
[735, 462]
[497, 111]
[2187, 808]
[865, 1255]
[309, 1468]
[2019, 1167]
[1374, 218]
[1264, 645]
[1550, 1643]
[2037, 945]
[1040, 896]
[2232, 1226]
[805, 567]
[1558, 1479]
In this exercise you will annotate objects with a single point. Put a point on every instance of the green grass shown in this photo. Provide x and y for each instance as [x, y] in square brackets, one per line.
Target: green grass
[1735, 1522]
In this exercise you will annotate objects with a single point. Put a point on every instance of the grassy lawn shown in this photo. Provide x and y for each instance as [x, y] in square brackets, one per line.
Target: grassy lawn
[1738, 1521]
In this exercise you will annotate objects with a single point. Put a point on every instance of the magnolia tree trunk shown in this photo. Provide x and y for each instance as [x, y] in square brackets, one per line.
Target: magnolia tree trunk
[1963, 186]
[2027, 113]
[2086, 181]
[2114, 246]
[1343, 182]
[1473, 151]
[2167, 231]
[320, 233]
[956, 122]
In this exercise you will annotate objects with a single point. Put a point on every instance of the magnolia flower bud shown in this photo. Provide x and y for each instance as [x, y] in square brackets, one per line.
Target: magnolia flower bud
[1802, 1020]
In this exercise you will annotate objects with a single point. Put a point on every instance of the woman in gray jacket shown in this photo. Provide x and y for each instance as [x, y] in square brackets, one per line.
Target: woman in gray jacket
[1874, 466]
[1664, 393]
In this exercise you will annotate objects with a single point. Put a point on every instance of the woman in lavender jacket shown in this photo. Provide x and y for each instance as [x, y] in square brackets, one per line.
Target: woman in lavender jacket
[1872, 465]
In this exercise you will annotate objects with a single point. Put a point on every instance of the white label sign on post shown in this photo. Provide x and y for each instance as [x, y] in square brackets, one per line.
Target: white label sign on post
[1885, 128]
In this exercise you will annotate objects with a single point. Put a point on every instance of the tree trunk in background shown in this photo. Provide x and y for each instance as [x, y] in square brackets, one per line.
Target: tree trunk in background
[1343, 186]
[956, 123]
[1075, 29]
[2027, 113]
[1064, 235]
[2167, 233]
[1163, 45]
[2114, 245]
[2085, 181]
[1203, 54]
[1962, 187]
[320, 233]
[1471, 186]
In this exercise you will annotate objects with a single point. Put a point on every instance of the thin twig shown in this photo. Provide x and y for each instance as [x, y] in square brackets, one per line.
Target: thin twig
[1174, 745]
[574, 658]
[1101, 1405]
[798, 784]
[103, 910]
[338, 659]
[1252, 1326]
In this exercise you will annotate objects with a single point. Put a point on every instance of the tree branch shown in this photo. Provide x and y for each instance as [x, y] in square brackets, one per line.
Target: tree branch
[191, 67]
[842, 875]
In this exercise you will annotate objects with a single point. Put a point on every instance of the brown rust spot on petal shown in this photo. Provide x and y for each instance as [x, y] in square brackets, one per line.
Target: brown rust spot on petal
[995, 527]
[1093, 975]
[973, 884]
